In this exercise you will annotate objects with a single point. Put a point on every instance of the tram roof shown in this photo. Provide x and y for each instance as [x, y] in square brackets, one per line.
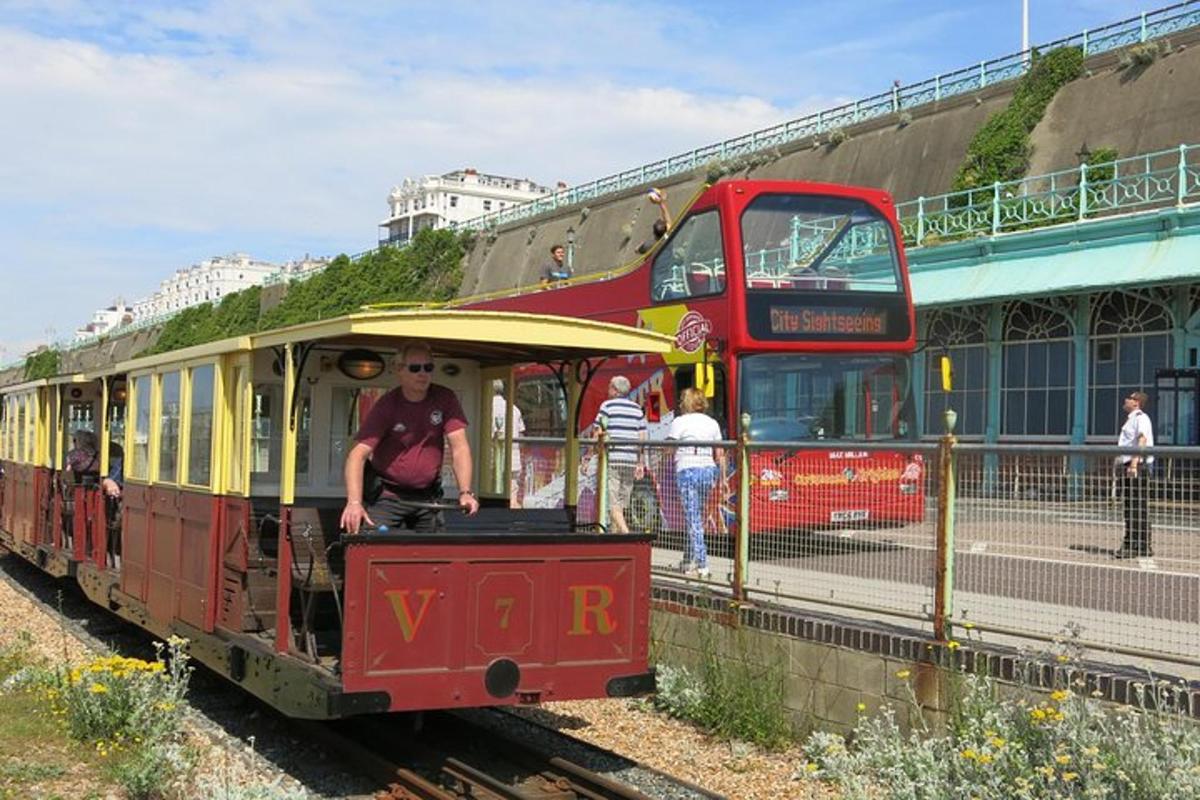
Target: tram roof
[490, 337]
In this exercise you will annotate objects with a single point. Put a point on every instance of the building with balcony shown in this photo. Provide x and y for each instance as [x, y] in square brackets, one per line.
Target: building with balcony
[105, 320]
[435, 201]
[208, 281]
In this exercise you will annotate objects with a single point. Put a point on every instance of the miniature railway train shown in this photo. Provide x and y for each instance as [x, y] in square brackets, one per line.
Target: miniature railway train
[226, 533]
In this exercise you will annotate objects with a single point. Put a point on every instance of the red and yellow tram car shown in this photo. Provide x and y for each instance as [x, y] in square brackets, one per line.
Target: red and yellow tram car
[226, 530]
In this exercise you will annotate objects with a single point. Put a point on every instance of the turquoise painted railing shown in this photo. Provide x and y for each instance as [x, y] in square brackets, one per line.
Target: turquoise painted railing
[1149, 25]
[1163, 178]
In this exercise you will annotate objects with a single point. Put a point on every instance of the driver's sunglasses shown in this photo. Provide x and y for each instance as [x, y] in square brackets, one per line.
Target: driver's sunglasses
[427, 367]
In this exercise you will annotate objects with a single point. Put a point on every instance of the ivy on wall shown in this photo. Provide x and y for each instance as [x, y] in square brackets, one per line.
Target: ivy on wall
[1000, 150]
[429, 269]
[41, 365]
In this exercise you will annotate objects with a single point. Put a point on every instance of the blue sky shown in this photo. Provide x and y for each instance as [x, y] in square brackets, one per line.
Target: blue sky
[141, 137]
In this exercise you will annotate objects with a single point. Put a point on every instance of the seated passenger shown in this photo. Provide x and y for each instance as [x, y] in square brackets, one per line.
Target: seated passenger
[114, 481]
[83, 459]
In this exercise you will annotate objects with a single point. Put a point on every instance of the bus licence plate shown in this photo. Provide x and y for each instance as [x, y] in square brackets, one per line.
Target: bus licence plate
[856, 515]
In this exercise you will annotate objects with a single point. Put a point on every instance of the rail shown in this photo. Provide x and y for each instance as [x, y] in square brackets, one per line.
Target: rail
[1146, 26]
[1024, 543]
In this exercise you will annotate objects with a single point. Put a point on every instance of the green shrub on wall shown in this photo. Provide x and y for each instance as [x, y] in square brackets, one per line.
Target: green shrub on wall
[1000, 150]
[429, 269]
[41, 365]
[236, 315]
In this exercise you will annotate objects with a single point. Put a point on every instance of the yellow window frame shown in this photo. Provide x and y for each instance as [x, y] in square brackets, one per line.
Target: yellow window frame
[185, 426]
[132, 381]
[237, 400]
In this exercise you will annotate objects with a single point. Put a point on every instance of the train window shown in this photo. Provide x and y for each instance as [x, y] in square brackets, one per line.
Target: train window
[139, 462]
[200, 425]
[692, 264]
[21, 429]
[348, 411]
[266, 434]
[168, 427]
[237, 458]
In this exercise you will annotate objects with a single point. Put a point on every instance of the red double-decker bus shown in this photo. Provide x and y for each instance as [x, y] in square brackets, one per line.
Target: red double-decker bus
[797, 296]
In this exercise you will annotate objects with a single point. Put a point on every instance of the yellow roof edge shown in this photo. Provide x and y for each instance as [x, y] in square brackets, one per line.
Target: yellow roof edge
[233, 344]
[73, 377]
[358, 322]
[24, 386]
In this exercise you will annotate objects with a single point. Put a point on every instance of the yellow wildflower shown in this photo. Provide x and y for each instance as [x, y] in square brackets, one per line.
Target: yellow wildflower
[810, 767]
[968, 625]
[985, 758]
[997, 742]
[1070, 776]
[1060, 695]
[1063, 759]
[98, 688]
[861, 707]
[952, 645]
[1062, 659]
[1091, 751]
[903, 674]
[969, 754]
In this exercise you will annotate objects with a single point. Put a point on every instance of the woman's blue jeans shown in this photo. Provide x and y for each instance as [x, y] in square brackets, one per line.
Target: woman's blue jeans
[694, 485]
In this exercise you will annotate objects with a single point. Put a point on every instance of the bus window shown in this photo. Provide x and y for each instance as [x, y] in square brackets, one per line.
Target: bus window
[692, 263]
[810, 243]
[805, 397]
[541, 402]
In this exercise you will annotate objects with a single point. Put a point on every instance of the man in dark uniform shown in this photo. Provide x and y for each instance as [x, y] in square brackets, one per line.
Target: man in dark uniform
[404, 438]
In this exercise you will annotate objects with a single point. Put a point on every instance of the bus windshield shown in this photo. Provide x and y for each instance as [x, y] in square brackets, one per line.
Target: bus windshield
[810, 242]
[813, 397]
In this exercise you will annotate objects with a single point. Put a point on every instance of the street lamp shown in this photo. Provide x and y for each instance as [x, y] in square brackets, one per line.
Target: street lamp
[571, 250]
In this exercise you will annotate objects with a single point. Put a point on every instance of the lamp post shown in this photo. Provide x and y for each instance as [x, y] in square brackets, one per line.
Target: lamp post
[571, 250]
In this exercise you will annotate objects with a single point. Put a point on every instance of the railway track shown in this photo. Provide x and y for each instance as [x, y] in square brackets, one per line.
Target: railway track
[489, 754]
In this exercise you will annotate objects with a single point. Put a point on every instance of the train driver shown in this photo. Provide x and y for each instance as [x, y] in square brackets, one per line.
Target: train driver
[401, 447]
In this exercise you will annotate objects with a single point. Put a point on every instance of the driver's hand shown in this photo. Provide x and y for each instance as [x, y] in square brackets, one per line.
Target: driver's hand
[639, 471]
[353, 517]
[468, 503]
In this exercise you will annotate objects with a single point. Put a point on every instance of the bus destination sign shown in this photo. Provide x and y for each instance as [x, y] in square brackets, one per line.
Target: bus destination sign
[828, 321]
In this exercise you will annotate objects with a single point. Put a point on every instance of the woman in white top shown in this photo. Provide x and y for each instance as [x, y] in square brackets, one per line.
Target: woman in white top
[696, 472]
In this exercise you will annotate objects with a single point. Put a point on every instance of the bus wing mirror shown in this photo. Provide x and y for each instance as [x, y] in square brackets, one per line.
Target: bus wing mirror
[947, 374]
[705, 380]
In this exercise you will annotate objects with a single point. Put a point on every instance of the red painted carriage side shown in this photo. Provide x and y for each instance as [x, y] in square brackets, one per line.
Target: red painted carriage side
[434, 622]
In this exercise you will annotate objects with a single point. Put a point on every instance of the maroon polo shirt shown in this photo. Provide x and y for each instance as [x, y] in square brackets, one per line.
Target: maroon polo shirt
[407, 439]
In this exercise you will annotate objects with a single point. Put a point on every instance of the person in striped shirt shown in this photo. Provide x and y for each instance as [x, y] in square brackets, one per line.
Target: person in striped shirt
[624, 421]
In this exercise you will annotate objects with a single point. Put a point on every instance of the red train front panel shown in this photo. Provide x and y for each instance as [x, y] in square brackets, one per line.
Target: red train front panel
[496, 620]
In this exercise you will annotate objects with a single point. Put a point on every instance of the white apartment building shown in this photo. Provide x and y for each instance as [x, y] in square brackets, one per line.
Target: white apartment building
[208, 281]
[437, 200]
[105, 319]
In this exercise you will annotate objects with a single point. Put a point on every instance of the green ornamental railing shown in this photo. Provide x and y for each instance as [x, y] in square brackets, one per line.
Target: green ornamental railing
[1146, 26]
[1154, 180]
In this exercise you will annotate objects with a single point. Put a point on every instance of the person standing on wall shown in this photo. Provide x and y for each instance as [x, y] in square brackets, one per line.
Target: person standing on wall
[556, 270]
[624, 421]
[404, 440]
[1134, 471]
[696, 473]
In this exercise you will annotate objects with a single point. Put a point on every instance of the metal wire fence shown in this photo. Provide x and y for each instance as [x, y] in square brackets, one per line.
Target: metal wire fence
[1020, 542]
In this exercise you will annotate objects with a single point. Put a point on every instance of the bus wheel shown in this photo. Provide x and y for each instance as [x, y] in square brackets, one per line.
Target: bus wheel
[644, 515]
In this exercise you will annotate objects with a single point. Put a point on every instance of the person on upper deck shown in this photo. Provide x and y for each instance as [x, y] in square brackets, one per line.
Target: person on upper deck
[661, 225]
[557, 269]
[403, 440]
